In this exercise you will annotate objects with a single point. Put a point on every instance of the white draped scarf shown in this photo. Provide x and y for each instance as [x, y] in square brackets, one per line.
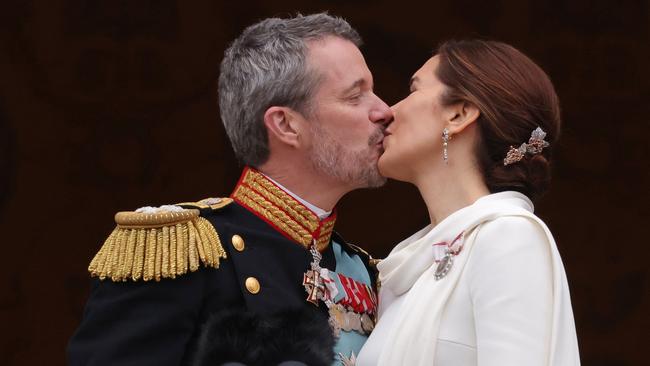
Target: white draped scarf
[410, 267]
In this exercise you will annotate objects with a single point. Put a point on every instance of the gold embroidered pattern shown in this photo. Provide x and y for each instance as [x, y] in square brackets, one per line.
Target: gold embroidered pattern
[288, 215]
[274, 211]
[328, 227]
[282, 200]
[273, 215]
[155, 246]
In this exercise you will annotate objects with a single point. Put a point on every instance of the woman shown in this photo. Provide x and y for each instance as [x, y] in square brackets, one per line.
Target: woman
[483, 284]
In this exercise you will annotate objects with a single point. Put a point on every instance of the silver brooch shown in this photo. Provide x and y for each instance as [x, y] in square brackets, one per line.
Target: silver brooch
[444, 254]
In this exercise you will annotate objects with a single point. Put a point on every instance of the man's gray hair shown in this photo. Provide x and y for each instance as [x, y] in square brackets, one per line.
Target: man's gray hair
[267, 66]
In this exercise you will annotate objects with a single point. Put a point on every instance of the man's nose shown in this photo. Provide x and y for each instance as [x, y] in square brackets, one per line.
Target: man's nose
[382, 113]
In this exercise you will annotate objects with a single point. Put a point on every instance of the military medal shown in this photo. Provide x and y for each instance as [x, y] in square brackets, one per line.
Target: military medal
[354, 311]
[367, 324]
[444, 254]
[312, 279]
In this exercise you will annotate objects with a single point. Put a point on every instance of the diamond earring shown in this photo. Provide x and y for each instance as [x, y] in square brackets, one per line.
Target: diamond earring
[445, 144]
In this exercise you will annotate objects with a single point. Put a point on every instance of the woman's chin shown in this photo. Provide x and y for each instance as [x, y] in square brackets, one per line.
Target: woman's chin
[385, 166]
[392, 167]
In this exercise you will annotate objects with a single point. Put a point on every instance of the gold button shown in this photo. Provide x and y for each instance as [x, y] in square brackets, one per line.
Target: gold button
[238, 243]
[252, 285]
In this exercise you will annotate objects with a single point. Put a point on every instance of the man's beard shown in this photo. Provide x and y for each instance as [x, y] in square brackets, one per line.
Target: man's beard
[332, 158]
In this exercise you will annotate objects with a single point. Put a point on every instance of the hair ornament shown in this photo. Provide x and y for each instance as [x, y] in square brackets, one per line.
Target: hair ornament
[535, 145]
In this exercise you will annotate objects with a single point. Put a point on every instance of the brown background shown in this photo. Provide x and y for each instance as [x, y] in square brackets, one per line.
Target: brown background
[111, 105]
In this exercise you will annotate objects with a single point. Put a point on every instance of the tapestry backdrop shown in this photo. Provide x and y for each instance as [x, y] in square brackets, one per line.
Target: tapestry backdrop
[112, 105]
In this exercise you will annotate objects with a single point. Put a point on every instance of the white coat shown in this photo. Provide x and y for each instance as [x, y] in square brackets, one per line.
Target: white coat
[505, 300]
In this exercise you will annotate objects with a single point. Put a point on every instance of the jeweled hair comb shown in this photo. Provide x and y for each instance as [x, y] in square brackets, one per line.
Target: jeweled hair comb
[535, 145]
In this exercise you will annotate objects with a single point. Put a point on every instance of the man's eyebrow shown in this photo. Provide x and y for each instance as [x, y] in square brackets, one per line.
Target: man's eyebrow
[354, 85]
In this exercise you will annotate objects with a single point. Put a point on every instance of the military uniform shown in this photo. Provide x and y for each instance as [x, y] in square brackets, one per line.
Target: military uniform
[215, 281]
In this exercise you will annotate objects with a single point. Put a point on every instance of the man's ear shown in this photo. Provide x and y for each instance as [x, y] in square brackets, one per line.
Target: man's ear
[282, 125]
[462, 115]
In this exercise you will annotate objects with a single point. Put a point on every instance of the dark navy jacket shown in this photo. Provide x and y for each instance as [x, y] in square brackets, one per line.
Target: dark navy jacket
[160, 323]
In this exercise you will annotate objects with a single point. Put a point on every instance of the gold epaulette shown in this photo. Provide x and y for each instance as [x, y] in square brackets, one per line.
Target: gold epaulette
[164, 244]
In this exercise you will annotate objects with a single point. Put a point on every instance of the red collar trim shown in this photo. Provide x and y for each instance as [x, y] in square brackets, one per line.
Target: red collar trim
[261, 196]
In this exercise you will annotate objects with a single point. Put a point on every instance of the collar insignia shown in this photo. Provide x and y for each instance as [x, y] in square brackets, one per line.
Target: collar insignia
[286, 214]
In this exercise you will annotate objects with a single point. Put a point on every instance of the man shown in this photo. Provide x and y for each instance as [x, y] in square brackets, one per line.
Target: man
[259, 278]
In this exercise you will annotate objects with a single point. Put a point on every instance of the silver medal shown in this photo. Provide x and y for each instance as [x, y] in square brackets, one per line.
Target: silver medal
[367, 324]
[444, 266]
[355, 322]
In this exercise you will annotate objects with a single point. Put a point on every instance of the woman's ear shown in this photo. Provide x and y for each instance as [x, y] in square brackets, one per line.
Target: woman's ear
[463, 114]
[281, 124]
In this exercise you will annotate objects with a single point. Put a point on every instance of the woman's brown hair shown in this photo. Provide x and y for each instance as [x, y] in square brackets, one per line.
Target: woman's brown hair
[514, 96]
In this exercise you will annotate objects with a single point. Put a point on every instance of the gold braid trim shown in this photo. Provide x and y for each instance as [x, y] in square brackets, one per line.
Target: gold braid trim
[323, 241]
[280, 219]
[325, 233]
[155, 246]
[274, 215]
[258, 194]
[298, 218]
[131, 219]
[282, 199]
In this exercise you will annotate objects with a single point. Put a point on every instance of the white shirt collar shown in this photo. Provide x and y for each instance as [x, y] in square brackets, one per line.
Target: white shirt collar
[322, 214]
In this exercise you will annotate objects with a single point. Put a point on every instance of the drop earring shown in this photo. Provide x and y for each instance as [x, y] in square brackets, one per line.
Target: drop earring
[445, 144]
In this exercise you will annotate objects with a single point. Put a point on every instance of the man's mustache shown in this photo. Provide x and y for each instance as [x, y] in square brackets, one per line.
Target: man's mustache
[376, 136]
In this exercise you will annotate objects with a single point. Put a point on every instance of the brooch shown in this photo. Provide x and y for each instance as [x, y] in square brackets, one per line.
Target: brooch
[444, 254]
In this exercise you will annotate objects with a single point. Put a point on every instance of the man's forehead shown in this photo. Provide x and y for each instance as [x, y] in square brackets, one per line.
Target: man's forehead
[339, 61]
[348, 83]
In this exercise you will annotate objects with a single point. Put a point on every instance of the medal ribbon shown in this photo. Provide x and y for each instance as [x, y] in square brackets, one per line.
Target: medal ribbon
[341, 289]
[441, 249]
[340, 294]
[356, 295]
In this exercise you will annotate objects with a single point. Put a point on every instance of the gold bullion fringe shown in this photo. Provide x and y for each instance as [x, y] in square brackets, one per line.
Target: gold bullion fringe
[152, 253]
